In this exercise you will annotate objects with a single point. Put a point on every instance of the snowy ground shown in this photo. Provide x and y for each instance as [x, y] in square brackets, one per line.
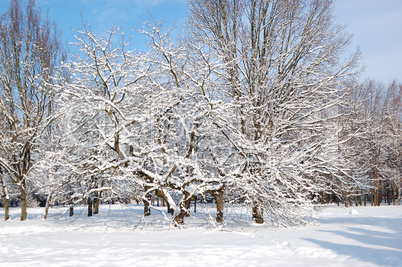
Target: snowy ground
[358, 236]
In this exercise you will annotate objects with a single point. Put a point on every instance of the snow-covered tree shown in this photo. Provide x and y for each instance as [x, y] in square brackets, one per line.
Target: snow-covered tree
[382, 138]
[182, 137]
[282, 74]
[30, 52]
[394, 141]
[102, 110]
[137, 124]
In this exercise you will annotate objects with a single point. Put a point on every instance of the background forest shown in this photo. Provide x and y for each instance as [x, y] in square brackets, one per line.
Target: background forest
[253, 105]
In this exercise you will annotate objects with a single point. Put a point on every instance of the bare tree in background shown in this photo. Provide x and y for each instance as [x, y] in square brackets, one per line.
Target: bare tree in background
[30, 51]
[3, 181]
[381, 142]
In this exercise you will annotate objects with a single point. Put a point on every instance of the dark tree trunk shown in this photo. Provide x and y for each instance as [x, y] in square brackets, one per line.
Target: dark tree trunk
[393, 192]
[358, 199]
[72, 210]
[219, 206]
[96, 205]
[147, 209]
[188, 204]
[377, 197]
[258, 214]
[89, 206]
[179, 218]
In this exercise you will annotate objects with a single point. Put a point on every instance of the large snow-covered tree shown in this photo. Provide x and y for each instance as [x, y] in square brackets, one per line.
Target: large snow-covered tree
[137, 124]
[282, 76]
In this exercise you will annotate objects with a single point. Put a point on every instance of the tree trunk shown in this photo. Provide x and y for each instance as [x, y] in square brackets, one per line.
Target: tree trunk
[345, 199]
[258, 214]
[24, 213]
[219, 206]
[393, 192]
[376, 201]
[379, 197]
[388, 193]
[147, 209]
[96, 205]
[377, 191]
[6, 208]
[359, 200]
[179, 218]
[188, 206]
[48, 200]
[374, 198]
[72, 210]
[89, 206]
[6, 200]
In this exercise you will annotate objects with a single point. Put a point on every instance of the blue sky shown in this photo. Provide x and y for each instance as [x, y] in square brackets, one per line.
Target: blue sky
[376, 25]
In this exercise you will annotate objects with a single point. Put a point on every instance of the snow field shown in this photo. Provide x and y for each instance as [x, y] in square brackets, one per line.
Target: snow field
[358, 236]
